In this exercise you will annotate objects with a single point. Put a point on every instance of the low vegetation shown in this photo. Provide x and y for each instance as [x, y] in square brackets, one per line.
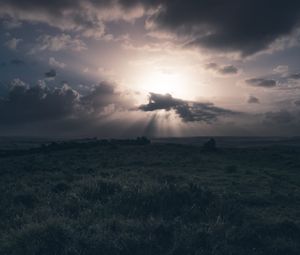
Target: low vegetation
[120, 198]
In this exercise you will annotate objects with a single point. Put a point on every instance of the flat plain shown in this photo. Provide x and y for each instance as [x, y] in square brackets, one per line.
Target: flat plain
[116, 197]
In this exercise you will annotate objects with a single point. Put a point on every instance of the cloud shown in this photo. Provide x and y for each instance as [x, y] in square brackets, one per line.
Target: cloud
[222, 70]
[261, 82]
[13, 43]
[104, 98]
[39, 103]
[17, 62]
[53, 62]
[281, 69]
[17, 82]
[280, 117]
[295, 76]
[229, 70]
[188, 111]
[246, 26]
[86, 17]
[253, 100]
[103, 110]
[297, 102]
[106, 72]
[50, 74]
[58, 43]
[11, 23]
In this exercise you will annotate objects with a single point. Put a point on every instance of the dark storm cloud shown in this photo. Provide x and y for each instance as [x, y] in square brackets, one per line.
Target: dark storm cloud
[17, 62]
[82, 16]
[261, 82]
[25, 104]
[159, 102]
[103, 95]
[50, 74]
[295, 76]
[246, 26]
[297, 102]
[11, 23]
[253, 100]
[188, 111]
[64, 14]
[222, 70]
[280, 117]
[228, 70]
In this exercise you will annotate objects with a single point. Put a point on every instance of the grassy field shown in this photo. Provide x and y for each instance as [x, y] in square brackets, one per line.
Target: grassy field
[150, 199]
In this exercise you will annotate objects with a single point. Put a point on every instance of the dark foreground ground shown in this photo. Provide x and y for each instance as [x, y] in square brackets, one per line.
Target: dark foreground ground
[150, 199]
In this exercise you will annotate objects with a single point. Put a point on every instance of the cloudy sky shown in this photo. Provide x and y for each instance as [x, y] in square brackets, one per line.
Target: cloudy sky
[123, 68]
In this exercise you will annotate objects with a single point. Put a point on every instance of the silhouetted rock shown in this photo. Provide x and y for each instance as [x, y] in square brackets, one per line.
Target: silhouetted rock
[142, 140]
[210, 145]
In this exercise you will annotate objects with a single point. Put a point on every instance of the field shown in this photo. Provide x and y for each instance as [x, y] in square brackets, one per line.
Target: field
[161, 198]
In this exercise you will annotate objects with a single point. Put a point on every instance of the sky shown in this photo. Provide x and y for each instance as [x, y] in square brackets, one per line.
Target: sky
[159, 68]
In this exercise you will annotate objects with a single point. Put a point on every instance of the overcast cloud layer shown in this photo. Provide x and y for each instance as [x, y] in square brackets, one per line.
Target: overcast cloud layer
[243, 26]
[87, 67]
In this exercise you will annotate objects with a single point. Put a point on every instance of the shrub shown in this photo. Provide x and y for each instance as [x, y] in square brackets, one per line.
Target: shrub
[210, 145]
[25, 199]
[99, 189]
[231, 169]
[48, 238]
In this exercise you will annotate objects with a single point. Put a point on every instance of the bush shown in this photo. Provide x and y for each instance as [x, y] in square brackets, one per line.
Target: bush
[99, 189]
[25, 199]
[48, 238]
[231, 169]
[210, 145]
[167, 201]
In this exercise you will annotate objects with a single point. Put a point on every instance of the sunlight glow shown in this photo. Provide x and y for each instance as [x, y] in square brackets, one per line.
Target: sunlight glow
[163, 123]
[160, 81]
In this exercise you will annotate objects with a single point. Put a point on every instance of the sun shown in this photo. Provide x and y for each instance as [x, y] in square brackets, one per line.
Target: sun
[180, 78]
[162, 82]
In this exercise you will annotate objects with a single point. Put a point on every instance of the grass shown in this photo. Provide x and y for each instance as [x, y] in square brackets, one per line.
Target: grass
[150, 199]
